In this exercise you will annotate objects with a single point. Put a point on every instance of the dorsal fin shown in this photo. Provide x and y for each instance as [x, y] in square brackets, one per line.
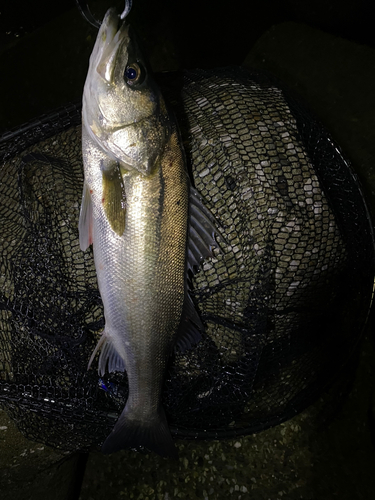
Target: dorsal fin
[202, 229]
[189, 330]
[201, 239]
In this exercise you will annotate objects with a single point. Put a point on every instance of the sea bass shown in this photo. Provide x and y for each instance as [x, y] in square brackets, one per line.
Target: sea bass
[148, 228]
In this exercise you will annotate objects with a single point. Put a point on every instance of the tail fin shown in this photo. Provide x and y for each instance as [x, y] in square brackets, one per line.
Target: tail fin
[154, 436]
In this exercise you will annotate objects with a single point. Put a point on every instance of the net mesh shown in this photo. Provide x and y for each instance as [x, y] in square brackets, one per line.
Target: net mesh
[283, 304]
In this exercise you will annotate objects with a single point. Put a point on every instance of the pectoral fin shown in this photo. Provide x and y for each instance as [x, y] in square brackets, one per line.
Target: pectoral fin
[85, 225]
[114, 199]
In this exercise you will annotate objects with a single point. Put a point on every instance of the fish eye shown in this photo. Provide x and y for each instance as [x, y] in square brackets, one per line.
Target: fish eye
[133, 74]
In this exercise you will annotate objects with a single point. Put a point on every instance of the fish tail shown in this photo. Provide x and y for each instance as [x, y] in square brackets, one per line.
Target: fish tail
[129, 433]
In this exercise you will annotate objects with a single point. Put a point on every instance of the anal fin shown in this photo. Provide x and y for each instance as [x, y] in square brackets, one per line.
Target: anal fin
[108, 358]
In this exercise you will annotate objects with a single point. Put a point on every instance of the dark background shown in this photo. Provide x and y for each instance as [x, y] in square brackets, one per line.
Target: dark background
[45, 45]
[219, 24]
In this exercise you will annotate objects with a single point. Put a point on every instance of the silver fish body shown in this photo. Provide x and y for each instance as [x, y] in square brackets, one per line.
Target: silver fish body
[135, 213]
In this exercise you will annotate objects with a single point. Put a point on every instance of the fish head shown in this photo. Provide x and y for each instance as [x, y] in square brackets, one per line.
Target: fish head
[123, 110]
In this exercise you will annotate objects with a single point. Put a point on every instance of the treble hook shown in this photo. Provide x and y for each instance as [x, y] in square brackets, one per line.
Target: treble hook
[86, 13]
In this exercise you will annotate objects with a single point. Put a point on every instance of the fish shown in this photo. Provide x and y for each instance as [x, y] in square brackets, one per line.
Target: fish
[149, 228]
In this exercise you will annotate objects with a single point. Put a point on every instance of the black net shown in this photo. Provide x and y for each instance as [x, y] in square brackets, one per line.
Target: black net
[283, 305]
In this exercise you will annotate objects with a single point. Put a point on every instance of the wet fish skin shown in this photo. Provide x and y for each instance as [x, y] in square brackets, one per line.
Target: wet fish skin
[135, 212]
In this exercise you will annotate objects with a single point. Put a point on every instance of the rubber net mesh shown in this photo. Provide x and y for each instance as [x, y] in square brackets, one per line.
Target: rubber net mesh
[283, 304]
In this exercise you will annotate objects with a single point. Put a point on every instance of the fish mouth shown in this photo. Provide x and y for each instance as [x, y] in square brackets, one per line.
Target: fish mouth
[112, 33]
